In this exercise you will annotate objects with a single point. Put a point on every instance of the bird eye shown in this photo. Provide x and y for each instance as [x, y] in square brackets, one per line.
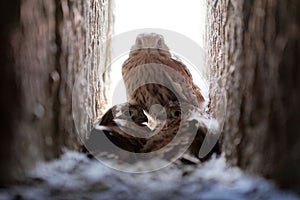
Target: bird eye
[133, 113]
[175, 113]
[159, 43]
[127, 113]
[139, 42]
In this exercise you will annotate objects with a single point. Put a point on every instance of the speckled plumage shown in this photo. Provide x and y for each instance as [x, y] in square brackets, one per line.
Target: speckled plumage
[163, 78]
[118, 132]
[181, 130]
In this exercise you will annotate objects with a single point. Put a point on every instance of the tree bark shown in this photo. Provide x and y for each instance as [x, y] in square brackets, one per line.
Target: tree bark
[258, 48]
[45, 44]
[9, 104]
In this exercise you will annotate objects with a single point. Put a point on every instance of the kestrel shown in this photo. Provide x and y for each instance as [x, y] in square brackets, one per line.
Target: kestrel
[182, 129]
[121, 126]
[179, 127]
[152, 76]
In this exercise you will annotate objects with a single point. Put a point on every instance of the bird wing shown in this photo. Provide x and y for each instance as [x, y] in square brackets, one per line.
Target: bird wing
[132, 129]
[185, 82]
[120, 138]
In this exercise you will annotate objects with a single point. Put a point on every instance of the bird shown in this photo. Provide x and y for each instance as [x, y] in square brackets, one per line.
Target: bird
[177, 129]
[180, 131]
[188, 122]
[121, 129]
[124, 111]
[152, 75]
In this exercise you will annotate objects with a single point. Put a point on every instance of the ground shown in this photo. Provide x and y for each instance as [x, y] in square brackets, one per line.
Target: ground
[74, 176]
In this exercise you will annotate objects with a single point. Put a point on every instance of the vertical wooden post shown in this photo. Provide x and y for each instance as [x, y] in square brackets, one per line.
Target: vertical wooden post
[258, 66]
[44, 44]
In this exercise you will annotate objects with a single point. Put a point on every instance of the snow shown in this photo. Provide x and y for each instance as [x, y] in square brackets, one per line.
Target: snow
[74, 176]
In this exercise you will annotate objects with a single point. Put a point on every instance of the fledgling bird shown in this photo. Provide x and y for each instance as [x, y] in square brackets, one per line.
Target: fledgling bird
[124, 111]
[181, 130]
[120, 129]
[152, 76]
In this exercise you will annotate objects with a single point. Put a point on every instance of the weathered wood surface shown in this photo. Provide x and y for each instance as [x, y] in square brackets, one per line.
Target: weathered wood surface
[44, 44]
[254, 49]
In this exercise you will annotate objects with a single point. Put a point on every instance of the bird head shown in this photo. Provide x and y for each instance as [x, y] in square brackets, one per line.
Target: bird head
[150, 44]
[159, 116]
[130, 112]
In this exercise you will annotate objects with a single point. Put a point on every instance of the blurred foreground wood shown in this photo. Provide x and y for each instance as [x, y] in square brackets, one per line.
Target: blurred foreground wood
[254, 50]
[44, 45]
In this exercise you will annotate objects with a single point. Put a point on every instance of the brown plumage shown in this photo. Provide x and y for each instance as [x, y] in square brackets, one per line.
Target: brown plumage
[179, 128]
[121, 129]
[152, 76]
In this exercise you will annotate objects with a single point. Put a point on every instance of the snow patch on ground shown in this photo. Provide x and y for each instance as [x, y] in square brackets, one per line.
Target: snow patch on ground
[74, 176]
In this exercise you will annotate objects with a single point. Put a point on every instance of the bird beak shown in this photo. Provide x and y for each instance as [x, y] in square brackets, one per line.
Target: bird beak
[151, 121]
[101, 128]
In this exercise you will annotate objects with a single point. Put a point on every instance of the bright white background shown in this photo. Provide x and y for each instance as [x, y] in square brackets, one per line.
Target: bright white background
[185, 17]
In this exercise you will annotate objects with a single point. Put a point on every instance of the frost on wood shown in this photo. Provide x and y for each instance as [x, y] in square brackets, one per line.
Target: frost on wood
[49, 43]
[254, 47]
